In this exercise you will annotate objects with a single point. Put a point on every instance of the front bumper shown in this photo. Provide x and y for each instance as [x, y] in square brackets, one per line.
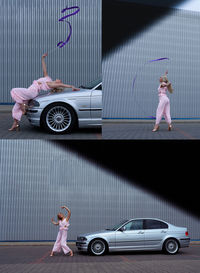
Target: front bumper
[82, 245]
[33, 115]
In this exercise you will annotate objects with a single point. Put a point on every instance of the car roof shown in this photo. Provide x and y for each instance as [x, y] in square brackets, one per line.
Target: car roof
[147, 218]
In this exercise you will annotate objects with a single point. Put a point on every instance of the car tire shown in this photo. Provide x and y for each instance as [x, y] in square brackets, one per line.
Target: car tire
[171, 246]
[97, 247]
[58, 118]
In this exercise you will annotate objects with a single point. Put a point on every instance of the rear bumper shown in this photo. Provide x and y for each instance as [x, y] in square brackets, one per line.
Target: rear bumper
[184, 242]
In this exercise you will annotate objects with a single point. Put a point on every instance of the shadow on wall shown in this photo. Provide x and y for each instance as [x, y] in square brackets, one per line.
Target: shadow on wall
[165, 168]
[122, 20]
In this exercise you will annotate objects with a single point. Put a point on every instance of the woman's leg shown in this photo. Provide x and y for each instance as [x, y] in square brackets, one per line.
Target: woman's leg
[159, 112]
[167, 113]
[17, 111]
[15, 94]
[57, 244]
[16, 114]
[64, 245]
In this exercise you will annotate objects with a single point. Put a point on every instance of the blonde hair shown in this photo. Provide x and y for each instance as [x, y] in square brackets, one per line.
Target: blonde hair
[56, 90]
[169, 85]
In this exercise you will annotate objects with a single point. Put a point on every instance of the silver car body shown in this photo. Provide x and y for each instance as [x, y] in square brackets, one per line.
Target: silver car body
[142, 239]
[87, 103]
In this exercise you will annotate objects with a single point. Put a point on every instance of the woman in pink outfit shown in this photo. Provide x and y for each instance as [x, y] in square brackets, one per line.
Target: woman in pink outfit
[21, 96]
[164, 104]
[63, 223]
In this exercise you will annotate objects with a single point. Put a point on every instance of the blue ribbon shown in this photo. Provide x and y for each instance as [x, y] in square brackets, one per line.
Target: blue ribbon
[61, 43]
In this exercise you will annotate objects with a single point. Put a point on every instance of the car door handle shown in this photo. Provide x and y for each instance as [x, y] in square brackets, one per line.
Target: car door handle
[141, 232]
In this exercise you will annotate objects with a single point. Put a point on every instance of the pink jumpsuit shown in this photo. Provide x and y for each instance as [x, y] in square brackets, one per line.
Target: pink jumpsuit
[62, 238]
[23, 95]
[164, 105]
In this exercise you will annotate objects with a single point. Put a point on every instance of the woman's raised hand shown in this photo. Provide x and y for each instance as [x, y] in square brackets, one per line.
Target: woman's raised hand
[64, 207]
[44, 55]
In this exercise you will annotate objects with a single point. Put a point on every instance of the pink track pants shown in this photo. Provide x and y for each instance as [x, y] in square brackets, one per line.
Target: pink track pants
[163, 109]
[61, 242]
[17, 111]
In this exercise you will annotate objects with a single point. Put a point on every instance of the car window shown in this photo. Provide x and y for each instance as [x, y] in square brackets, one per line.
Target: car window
[118, 225]
[99, 87]
[134, 225]
[92, 84]
[154, 224]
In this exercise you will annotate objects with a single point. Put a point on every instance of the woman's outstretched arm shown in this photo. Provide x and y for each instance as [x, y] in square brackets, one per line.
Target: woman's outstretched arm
[69, 86]
[69, 212]
[44, 67]
[62, 85]
[53, 222]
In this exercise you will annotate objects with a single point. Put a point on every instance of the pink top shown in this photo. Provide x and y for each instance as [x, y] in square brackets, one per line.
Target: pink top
[32, 91]
[41, 83]
[64, 224]
[162, 91]
[37, 86]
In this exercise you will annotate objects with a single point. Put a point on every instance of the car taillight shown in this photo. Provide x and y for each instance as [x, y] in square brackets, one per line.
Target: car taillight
[186, 233]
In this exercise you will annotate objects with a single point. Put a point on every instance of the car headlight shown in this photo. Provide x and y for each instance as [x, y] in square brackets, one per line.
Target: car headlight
[81, 239]
[33, 103]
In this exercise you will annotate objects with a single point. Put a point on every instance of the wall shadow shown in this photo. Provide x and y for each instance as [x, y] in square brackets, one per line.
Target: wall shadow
[122, 20]
[168, 169]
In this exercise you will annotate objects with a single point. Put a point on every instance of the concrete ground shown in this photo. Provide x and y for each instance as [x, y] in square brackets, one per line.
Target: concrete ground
[27, 131]
[36, 259]
[143, 130]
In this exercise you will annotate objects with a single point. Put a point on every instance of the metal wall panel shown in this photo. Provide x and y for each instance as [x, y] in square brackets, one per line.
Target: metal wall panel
[176, 36]
[30, 28]
[37, 177]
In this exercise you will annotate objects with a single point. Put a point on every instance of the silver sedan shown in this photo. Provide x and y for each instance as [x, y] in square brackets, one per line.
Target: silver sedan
[135, 234]
[62, 112]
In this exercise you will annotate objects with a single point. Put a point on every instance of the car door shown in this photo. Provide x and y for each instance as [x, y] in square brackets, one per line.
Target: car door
[155, 232]
[131, 236]
[96, 102]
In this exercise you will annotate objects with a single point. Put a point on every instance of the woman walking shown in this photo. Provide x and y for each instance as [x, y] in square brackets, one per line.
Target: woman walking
[21, 96]
[163, 108]
[63, 223]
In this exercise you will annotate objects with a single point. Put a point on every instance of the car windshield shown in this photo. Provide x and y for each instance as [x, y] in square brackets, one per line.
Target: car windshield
[91, 84]
[118, 225]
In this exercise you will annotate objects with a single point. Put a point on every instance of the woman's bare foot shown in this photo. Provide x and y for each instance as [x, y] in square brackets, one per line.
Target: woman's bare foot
[51, 254]
[15, 126]
[71, 253]
[156, 128]
[169, 127]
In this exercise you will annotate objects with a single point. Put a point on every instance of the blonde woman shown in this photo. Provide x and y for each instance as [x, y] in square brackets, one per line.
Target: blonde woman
[21, 96]
[63, 223]
[163, 108]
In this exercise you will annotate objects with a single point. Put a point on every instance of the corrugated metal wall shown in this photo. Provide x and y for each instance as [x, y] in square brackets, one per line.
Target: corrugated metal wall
[30, 28]
[176, 36]
[37, 177]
